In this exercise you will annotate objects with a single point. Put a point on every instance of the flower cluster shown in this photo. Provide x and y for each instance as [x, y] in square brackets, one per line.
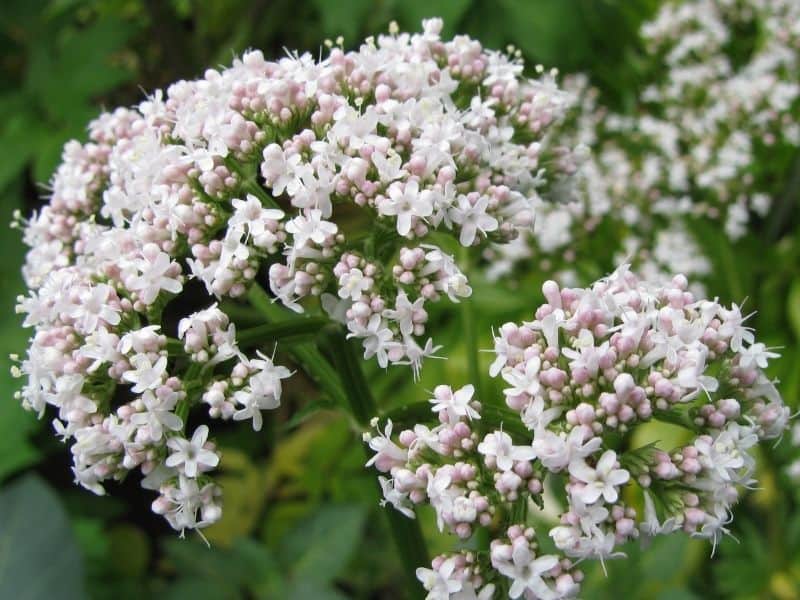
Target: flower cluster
[712, 137]
[417, 135]
[591, 366]
[255, 173]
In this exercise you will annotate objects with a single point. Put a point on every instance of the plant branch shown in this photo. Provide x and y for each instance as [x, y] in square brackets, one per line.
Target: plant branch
[470, 333]
[406, 532]
[306, 354]
[300, 327]
[355, 396]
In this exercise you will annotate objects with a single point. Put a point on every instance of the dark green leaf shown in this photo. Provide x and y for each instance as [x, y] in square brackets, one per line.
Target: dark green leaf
[320, 548]
[38, 554]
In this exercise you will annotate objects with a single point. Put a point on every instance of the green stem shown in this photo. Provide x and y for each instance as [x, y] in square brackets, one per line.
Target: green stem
[346, 362]
[306, 354]
[470, 333]
[355, 395]
[406, 532]
[293, 328]
[175, 347]
[259, 192]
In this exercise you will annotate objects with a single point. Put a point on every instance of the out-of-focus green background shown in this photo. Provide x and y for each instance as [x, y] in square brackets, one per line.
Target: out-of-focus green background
[301, 515]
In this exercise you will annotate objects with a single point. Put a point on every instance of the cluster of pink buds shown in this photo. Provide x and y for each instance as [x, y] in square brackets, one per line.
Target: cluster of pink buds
[591, 366]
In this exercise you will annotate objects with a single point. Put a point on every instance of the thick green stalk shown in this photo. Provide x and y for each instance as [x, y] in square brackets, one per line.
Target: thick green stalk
[306, 354]
[287, 330]
[356, 397]
[406, 532]
[470, 334]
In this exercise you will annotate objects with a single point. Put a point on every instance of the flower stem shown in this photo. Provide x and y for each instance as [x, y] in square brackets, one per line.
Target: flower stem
[470, 333]
[290, 329]
[356, 397]
[406, 532]
[306, 354]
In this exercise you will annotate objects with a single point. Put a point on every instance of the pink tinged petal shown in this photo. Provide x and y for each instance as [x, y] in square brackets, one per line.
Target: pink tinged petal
[173, 460]
[504, 463]
[404, 223]
[618, 477]
[200, 435]
[209, 458]
[467, 236]
[610, 494]
[543, 564]
[171, 285]
[591, 446]
[581, 471]
[171, 421]
[523, 453]
[521, 555]
[591, 493]
[606, 462]
[190, 468]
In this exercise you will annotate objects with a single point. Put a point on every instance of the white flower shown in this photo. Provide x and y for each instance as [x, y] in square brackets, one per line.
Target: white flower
[756, 355]
[602, 480]
[526, 572]
[262, 392]
[650, 525]
[416, 353]
[188, 499]
[353, 284]
[440, 583]
[387, 453]
[157, 415]
[101, 347]
[376, 338]
[557, 451]
[310, 226]
[389, 166]
[280, 172]
[523, 381]
[472, 218]
[455, 404]
[94, 307]
[156, 273]
[251, 213]
[536, 417]
[404, 312]
[191, 453]
[726, 455]
[500, 447]
[406, 202]
[439, 493]
[398, 500]
[145, 375]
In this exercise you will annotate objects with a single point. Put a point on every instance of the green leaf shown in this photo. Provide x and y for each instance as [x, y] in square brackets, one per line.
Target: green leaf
[343, 17]
[793, 307]
[79, 67]
[302, 590]
[194, 588]
[678, 594]
[320, 548]
[16, 424]
[23, 133]
[38, 554]
[131, 549]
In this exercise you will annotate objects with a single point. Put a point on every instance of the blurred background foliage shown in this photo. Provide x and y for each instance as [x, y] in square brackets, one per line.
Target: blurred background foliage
[301, 514]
